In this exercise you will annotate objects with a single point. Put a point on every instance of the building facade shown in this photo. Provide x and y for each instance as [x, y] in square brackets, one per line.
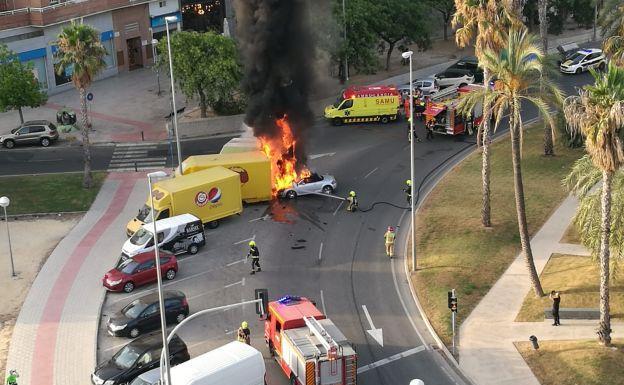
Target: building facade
[127, 28]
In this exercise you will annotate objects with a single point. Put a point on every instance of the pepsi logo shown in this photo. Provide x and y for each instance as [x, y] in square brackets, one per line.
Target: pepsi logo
[214, 195]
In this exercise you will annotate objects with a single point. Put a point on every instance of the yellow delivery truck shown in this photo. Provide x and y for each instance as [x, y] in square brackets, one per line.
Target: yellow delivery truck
[210, 195]
[241, 145]
[253, 167]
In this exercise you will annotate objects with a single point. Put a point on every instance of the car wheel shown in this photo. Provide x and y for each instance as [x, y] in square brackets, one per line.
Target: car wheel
[128, 287]
[291, 194]
[45, 142]
[463, 85]
[170, 274]
[385, 119]
[9, 143]
[578, 71]
[337, 121]
[328, 189]
[602, 66]
[180, 317]
[213, 224]
[134, 333]
[193, 249]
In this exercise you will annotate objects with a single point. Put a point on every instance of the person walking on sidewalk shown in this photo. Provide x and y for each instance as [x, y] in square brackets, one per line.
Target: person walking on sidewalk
[254, 253]
[12, 377]
[555, 296]
[389, 237]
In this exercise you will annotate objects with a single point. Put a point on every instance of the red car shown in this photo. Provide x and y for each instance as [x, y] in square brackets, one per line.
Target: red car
[139, 270]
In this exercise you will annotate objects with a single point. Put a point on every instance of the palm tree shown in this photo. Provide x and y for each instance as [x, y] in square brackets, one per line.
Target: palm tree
[81, 51]
[612, 23]
[598, 114]
[518, 68]
[483, 21]
[542, 8]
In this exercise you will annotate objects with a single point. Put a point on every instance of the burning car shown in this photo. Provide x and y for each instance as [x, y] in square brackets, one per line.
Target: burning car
[311, 184]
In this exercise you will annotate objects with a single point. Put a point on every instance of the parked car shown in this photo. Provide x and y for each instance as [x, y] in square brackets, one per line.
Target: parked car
[315, 183]
[31, 132]
[137, 357]
[426, 86]
[143, 314]
[454, 77]
[566, 50]
[139, 270]
[583, 60]
[470, 63]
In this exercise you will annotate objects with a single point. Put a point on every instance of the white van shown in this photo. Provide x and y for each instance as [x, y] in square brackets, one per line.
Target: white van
[233, 364]
[180, 234]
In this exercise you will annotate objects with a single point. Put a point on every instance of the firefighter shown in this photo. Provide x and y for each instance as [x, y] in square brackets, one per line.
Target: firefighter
[353, 202]
[12, 377]
[419, 107]
[409, 126]
[408, 191]
[243, 334]
[254, 253]
[389, 237]
[429, 126]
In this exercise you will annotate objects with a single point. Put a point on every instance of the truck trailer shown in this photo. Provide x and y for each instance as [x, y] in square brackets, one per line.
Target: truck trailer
[210, 195]
[309, 348]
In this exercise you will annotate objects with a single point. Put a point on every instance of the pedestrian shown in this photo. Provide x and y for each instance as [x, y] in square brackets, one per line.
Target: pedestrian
[254, 253]
[12, 377]
[244, 334]
[353, 202]
[389, 237]
[555, 296]
[413, 132]
[429, 126]
[408, 191]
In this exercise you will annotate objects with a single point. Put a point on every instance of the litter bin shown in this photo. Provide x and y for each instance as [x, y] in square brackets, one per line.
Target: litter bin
[533, 340]
[66, 117]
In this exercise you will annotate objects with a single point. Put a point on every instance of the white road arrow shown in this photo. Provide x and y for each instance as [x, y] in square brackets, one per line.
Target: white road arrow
[377, 334]
[315, 156]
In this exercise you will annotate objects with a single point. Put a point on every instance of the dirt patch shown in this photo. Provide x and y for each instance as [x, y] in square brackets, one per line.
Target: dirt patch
[32, 241]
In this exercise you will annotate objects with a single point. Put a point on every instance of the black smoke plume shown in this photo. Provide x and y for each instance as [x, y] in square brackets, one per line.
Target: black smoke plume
[278, 51]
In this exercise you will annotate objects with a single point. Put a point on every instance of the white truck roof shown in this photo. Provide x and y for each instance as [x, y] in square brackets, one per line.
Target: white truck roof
[170, 222]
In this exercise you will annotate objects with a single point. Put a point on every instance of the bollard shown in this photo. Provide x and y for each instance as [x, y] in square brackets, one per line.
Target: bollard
[142, 137]
[135, 167]
[533, 340]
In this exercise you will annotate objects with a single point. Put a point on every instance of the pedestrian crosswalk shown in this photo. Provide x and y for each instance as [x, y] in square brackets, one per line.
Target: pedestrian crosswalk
[136, 156]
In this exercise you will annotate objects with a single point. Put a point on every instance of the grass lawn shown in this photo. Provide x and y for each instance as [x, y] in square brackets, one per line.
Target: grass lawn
[49, 193]
[571, 235]
[454, 251]
[575, 362]
[577, 279]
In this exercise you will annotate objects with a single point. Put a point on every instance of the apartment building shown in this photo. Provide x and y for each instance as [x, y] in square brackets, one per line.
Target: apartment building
[127, 27]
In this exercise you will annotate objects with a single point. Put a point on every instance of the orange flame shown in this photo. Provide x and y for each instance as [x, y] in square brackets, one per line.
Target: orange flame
[281, 151]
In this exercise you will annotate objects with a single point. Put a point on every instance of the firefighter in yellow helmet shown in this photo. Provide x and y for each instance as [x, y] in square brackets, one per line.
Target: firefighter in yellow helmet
[413, 132]
[254, 253]
[243, 334]
[353, 202]
[408, 191]
[389, 237]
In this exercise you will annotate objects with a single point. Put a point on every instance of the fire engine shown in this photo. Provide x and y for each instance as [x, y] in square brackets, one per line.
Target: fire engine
[309, 347]
[441, 111]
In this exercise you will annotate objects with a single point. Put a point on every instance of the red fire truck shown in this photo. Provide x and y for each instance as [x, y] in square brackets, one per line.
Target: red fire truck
[441, 111]
[309, 347]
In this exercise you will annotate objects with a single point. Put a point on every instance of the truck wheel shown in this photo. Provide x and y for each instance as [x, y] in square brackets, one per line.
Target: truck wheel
[291, 194]
[385, 119]
[213, 224]
[337, 121]
[192, 249]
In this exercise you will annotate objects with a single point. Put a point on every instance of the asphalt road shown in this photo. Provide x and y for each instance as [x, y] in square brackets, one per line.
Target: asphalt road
[311, 247]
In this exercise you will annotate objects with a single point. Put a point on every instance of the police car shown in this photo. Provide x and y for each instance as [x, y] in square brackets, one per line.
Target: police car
[582, 60]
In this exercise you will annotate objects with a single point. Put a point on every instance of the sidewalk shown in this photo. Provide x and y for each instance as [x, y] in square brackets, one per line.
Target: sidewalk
[486, 350]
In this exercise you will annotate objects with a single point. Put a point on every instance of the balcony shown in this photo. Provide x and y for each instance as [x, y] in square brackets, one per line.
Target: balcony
[59, 11]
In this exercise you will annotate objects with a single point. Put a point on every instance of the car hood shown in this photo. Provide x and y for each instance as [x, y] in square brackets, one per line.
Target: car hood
[118, 319]
[108, 371]
[131, 249]
[113, 275]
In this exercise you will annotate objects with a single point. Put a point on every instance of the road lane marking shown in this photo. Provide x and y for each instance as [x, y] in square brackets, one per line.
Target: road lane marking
[323, 303]
[46, 160]
[262, 218]
[115, 346]
[377, 334]
[246, 240]
[241, 282]
[370, 173]
[321, 252]
[236, 262]
[316, 156]
[338, 208]
[390, 359]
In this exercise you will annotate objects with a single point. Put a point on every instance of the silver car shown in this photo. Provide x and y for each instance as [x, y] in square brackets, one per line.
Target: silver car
[42, 132]
[426, 86]
[315, 183]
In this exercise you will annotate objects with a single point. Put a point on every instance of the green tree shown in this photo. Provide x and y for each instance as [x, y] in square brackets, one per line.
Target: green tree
[81, 52]
[598, 114]
[18, 86]
[583, 12]
[484, 22]
[518, 67]
[612, 23]
[205, 65]
[446, 9]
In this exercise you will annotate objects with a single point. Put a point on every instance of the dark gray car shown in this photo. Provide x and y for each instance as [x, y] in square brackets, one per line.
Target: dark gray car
[40, 132]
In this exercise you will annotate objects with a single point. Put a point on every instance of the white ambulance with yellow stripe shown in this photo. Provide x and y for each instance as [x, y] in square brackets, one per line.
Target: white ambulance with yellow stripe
[365, 104]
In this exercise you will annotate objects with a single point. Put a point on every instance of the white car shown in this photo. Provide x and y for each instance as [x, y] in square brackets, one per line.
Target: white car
[315, 183]
[426, 86]
[454, 77]
[583, 60]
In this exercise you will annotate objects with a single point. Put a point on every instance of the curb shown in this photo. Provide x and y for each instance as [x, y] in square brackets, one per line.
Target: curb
[38, 215]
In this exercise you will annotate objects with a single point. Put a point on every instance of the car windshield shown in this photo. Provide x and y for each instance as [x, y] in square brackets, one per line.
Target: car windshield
[577, 57]
[338, 102]
[144, 214]
[134, 309]
[127, 266]
[126, 357]
[141, 237]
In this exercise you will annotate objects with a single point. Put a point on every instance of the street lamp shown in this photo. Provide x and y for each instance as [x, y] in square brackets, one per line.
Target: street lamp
[4, 202]
[173, 19]
[155, 56]
[161, 301]
[408, 55]
[346, 64]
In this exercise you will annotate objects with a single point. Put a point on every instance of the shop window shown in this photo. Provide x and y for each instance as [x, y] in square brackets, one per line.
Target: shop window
[38, 67]
[65, 76]
[109, 59]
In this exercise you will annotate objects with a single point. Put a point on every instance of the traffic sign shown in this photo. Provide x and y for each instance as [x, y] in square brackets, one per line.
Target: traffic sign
[90, 96]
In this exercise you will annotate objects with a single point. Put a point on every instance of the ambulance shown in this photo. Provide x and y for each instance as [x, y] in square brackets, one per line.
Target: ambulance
[365, 104]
